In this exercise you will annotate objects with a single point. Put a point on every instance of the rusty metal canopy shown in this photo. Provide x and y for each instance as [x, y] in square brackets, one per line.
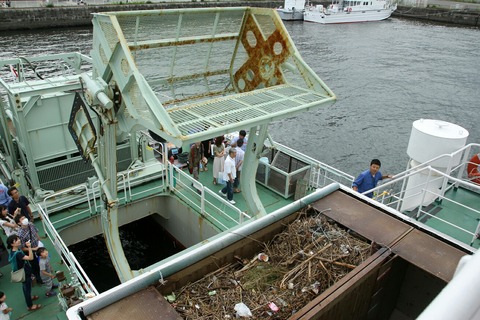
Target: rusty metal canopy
[193, 74]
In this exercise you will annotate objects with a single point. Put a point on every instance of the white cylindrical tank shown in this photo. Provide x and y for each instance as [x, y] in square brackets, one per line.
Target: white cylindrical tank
[432, 138]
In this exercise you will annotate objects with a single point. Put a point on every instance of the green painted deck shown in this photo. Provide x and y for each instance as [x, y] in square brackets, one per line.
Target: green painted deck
[443, 215]
[445, 210]
[50, 306]
[270, 200]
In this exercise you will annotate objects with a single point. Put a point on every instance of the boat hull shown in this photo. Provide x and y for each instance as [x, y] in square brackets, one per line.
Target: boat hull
[347, 17]
[290, 15]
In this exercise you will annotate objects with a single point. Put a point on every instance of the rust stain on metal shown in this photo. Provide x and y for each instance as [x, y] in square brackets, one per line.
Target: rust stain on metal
[193, 97]
[264, 57]
[183, 42]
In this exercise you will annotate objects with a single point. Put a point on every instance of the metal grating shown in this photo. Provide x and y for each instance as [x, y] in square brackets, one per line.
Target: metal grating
[240, 108]
[65, 175]
[193, 74]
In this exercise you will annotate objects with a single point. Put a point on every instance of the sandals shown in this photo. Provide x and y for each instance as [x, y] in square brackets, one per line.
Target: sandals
[214, 182]
[34, 307]
[50, 294]
[34, 298]
[237, 191]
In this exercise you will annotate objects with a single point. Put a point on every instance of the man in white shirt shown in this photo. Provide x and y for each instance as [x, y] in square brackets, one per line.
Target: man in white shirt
[229, 174]
[238, 165]
[241, 135]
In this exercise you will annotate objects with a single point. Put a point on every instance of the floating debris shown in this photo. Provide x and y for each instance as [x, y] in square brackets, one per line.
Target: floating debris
[298, 264]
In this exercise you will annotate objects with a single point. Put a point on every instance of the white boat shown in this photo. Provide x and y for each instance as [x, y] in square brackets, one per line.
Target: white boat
[349, 11]
[292, 10]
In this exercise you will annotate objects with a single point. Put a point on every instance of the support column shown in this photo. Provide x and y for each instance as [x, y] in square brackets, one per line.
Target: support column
[110, 208]
[256, 139]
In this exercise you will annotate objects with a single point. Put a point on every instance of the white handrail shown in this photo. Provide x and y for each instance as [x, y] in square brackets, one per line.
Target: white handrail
[178, 179]
[72, 263]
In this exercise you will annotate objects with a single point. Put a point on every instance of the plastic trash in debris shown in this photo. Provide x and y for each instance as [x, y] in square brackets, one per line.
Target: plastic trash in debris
[171, 297]
[212, 293]
[262, 257]
[273, 307]
[243, 310]
[315, 287]
[283, 302]
[290, 285]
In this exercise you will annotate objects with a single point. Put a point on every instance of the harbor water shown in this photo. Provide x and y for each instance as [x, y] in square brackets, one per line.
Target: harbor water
[385, 75]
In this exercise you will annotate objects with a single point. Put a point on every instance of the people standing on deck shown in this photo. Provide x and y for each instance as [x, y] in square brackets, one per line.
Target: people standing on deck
[369, 178]
[229, 174]
[21, 202]
[5, 311]
[19, 260]
[238, 165]
[46, 272]
[241, 135]
[28, 233]
[195, 157]
[7, 222]
[4, 196]
[206, 145]
[219, 159]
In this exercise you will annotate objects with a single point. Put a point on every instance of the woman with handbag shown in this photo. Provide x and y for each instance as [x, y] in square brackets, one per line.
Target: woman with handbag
[219, 160]
[19, 262]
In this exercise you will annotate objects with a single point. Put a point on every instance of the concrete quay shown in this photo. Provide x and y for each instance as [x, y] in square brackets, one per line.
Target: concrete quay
[20, 18]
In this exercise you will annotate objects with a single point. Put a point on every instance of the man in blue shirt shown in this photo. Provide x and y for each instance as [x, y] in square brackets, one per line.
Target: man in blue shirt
[368, 179]
[4, 197]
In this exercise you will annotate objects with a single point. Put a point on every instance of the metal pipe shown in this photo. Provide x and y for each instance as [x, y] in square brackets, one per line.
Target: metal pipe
[193, 255]
[97, 91]
[98, 171]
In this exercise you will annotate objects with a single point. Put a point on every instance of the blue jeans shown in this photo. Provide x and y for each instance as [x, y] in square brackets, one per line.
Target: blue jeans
[228, 189]
[27, 289]
[236, 182]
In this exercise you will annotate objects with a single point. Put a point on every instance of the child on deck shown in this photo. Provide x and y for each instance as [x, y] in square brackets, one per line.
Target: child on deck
[46, 272]
[5, 311]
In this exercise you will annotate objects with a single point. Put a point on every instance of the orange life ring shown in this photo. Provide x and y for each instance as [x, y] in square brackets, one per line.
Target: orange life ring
[472, 169]
[349, 9]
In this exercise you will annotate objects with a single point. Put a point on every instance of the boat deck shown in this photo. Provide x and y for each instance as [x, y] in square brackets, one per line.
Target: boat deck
[451, 218]
[463, 218]
[363, 218]
[50, 306]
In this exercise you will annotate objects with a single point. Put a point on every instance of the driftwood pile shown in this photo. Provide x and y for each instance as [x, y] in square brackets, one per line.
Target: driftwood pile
[304, 260]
